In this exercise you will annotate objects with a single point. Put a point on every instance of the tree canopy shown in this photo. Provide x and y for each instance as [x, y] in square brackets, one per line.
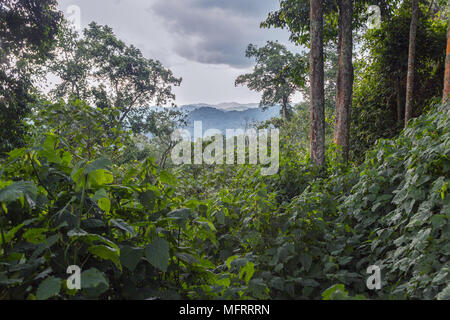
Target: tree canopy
[27, 36]
[278, 74]
[100, 68]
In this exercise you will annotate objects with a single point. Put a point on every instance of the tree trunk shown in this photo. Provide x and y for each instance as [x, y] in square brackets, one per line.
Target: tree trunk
[344, 85]
[400, 112]
[447, 68]
[317, 84]
[411, 62]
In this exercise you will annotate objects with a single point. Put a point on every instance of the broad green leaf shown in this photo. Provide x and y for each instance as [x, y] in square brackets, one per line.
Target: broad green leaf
[11, 233]
[336, 292]
[100, 164]
[444, 294]
[18, 190]
[186, 258]
[48, 288]
[225, 282]
[105, 205]
[49, 151]
[230, 260]
[220, 216]
[100, 177]
[277, 283]
[438, 221]
[205, 222]
[4, 280]
[106, 253]
[66, 159]
[35, 236]
[157, 253]
[52, 156]
[102, 199]
[181, 216]
[50, 142]
[16, 154]
[122, 225]
[100, 194]
[94, 280]
[78, 173]
[167, 178]
[310, 283]
[306, 261]
[90, 238]
[258, 288]
[248, 270]
[93, 223]
[130, 257]
[148, 199]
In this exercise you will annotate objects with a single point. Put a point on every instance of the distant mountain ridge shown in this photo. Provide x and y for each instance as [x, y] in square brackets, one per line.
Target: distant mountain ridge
[223, 116]
[227, 106]
[227, 116]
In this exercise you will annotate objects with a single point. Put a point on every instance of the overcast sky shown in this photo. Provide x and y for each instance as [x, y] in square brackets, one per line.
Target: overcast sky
[202, 41]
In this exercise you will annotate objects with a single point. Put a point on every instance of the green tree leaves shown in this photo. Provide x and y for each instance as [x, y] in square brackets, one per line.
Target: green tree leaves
[148, 198]
[157, 253]
[100, 164]
[250, 240]
[49, 288]
[93, 282]
[27, 34]
[106, 253]
[180, 216]
[130, 257]
[278, 74]
[18, 190]
[123, 78]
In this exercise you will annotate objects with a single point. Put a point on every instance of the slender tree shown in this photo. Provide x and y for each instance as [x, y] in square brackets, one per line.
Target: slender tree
[345, 77]
[411, 62]
[447, 68]
[317, 84]
[278, 74]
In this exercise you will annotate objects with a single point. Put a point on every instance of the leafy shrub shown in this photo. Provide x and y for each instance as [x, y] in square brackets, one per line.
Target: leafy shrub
[139, 232]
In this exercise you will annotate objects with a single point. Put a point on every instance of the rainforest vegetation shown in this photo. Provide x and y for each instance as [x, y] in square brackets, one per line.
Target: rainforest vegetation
[364, 163]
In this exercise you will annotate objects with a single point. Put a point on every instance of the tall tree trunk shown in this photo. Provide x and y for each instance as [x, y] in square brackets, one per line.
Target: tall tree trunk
[447, 68]
[344, 86]
[400, 113]
[317, 84]
[411, 62]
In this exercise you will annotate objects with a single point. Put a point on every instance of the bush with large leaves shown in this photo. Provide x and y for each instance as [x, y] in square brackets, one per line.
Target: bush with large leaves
[64, 203]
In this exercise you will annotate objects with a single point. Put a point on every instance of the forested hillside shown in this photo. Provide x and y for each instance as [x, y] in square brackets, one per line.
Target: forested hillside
[363, 177]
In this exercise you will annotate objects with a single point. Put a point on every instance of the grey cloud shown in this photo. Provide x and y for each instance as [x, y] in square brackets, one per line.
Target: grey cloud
[215, 32]
[251, 7]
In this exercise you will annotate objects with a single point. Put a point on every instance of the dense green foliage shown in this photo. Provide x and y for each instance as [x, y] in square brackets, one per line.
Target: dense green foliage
[81, 183]
[294, 16]
[27, 32]
[380, 82]
[136, 233]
